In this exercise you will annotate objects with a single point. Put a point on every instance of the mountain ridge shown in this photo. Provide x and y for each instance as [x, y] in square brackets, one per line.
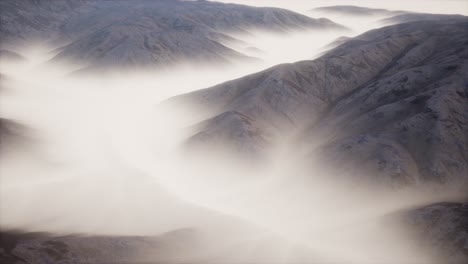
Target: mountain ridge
[315, 92]
[103, 34]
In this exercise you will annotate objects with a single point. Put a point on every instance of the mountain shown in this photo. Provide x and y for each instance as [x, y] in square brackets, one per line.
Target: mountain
[145, 33]
[351, 10]
[391, 102]
[404, 18]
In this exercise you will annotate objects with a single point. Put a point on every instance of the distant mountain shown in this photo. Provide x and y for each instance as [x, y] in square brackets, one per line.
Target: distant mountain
[404, 18]
[144, 33]
[391, 103]
[356, 10]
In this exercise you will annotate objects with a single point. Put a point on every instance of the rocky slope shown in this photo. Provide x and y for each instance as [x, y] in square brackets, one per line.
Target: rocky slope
[31, 19]
[394, 99]
[444, 226]
[179, 246]
[337, 42]
[12, 134]
[144, 33]
[408, 122]
[390, 105]
[27, 247]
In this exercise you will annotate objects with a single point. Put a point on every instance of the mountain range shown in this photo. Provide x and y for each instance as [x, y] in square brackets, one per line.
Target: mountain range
[389, 105]
[393, 98]
[159, 33]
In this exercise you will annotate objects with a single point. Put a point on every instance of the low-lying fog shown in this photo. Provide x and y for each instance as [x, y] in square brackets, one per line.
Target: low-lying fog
[102, 158]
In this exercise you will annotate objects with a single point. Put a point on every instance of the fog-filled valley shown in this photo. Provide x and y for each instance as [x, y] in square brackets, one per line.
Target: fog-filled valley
[166, 131]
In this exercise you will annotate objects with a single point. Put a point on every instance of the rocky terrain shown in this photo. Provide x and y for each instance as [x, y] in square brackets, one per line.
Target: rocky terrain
[158, 33]
[12, 134]
[34, 20]
[392, 98]
[357, 11]
[442, 226]
[337, 42]
[27, 247]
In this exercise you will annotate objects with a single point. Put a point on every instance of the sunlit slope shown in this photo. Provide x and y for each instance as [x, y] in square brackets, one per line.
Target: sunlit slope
[392, 101]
